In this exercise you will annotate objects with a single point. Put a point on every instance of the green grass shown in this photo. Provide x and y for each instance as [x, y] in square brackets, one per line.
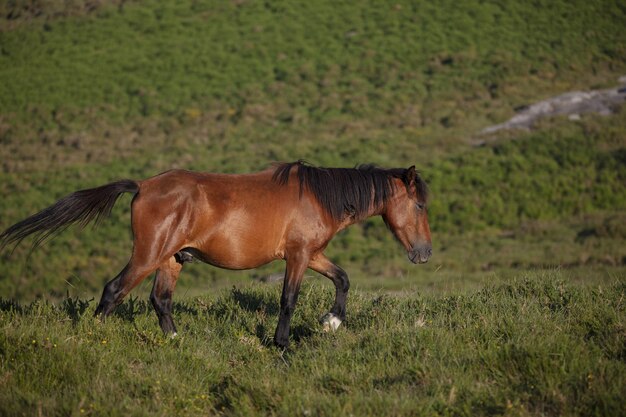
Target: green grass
[187, 54]
[98, 91]
[79, 83]
[537, 345]
[526, 202]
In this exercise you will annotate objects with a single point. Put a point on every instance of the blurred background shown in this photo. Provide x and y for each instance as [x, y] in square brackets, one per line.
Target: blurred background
[95, 91]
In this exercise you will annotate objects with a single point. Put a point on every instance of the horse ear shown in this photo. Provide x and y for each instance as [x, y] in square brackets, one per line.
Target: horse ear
[411, 175]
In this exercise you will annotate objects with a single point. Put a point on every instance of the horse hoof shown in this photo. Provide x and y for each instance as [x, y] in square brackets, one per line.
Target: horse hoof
[330, 322]
[173, 335]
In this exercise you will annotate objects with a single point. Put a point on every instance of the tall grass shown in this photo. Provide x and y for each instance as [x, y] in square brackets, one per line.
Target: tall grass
[535, 346]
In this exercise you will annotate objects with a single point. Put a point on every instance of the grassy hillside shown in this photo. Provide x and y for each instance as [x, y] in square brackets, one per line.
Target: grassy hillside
[91, 94]
[520, 311]
[548, 199]
[308, 60]
[89, 86]
[534, 346]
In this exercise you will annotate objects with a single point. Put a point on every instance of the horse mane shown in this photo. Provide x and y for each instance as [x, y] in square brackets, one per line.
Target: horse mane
[350, 191]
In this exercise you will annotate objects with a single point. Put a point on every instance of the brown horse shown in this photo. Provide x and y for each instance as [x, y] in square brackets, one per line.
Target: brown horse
[290, 211]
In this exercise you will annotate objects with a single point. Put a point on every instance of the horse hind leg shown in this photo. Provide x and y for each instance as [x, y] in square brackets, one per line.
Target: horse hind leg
[162, 290]
[155, 243]
[135, 272]
[116, 289]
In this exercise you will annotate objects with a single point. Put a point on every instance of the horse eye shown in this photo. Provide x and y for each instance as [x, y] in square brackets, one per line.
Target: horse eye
[420, 206]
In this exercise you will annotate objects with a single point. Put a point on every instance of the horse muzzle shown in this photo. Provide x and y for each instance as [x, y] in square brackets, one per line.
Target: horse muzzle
[419, 254]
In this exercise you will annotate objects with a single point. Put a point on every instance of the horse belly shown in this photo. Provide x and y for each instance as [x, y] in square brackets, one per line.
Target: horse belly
[239, 245]
[224, 253]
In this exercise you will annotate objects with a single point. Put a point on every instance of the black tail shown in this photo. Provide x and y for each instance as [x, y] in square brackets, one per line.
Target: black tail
[80, 207]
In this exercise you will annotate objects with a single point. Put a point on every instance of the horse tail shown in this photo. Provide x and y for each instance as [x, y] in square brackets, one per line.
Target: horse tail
[80, 207]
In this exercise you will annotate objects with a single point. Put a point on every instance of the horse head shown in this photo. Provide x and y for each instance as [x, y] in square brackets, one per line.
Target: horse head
[406, 215]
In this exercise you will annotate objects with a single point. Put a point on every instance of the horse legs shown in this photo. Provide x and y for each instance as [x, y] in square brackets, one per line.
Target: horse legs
[162, 290]
[338, 276]
[116, 289]
[293, 278]
[156, 240]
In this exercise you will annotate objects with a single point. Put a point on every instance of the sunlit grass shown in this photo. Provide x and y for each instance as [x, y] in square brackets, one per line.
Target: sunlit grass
[537, 345]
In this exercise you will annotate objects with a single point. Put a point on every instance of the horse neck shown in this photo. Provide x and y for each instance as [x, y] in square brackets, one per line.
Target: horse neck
[371, 212]
[379, 210]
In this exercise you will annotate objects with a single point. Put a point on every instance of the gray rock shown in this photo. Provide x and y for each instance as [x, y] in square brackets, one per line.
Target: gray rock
[571, 104]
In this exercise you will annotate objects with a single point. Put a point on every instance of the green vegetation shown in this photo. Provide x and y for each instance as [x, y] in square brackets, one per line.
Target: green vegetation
[91, 92]
[292, 56]
[537, 195]
[285, 80]
[534, 346]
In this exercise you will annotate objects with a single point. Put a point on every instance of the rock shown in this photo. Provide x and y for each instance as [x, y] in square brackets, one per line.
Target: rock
[572, 104]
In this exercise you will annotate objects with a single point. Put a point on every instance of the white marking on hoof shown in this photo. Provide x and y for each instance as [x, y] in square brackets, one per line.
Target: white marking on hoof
[174, 335]
[330, 322]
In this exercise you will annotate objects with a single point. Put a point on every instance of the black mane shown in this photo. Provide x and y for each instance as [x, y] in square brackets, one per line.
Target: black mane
[350, 191]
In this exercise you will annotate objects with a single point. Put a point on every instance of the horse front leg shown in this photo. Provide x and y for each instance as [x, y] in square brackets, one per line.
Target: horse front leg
[337, 314]
[296, 265]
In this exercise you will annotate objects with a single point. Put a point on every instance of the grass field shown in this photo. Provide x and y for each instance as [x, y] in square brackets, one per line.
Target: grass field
[534, 346]
[520, 310]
